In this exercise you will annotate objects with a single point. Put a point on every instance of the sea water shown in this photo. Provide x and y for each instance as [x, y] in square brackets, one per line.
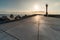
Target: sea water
[15, 14]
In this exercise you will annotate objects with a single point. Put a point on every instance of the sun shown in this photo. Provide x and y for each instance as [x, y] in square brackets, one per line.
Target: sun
[36, 7]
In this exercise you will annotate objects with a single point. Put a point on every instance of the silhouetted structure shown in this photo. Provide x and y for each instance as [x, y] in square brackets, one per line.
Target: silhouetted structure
[46, 9]
[5, 18]
[11, 16]
[25, 16]
[17, 17]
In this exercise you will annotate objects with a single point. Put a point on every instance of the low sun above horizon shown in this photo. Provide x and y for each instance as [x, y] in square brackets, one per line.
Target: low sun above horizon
[36, 7]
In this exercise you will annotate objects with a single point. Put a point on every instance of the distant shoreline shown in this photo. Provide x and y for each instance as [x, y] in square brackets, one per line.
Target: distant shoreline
[54, 15]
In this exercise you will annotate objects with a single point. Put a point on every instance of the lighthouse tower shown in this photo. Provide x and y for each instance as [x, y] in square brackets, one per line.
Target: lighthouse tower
[46, 9]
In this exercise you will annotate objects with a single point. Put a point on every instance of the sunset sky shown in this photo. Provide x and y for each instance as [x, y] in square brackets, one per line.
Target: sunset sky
[29, 5]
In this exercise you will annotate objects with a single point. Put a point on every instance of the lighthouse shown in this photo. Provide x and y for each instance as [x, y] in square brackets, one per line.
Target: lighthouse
[46, 9]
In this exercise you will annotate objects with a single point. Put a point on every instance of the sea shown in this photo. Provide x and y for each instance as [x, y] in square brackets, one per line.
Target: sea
[21, 14]
[15, 14]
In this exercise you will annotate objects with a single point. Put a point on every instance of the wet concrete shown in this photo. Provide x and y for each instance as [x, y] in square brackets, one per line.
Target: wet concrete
[33, 28]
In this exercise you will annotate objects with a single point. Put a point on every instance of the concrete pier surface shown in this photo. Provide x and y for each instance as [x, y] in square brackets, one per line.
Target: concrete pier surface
[33, 28]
